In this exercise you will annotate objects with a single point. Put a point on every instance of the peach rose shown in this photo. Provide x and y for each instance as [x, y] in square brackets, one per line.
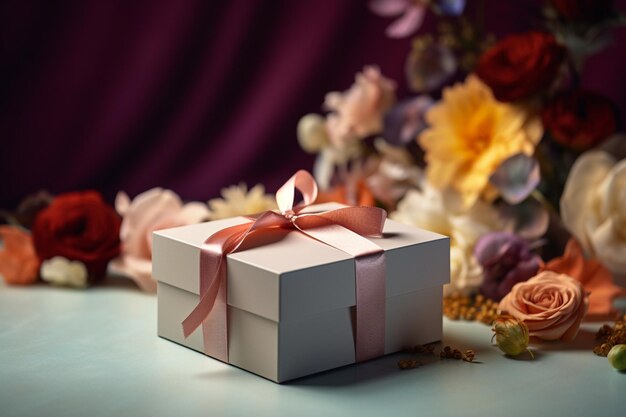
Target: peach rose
[358, 112]
[551, 305]
[152, 210]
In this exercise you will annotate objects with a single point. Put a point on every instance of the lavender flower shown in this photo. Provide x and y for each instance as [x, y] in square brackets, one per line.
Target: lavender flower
[506, 260]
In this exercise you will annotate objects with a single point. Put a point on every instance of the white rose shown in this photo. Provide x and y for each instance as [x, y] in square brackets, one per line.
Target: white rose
[593, 208]
[62, 271]
[430, 209]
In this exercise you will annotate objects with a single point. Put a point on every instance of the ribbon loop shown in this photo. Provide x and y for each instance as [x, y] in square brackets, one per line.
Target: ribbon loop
[301, 181]
[342, 228]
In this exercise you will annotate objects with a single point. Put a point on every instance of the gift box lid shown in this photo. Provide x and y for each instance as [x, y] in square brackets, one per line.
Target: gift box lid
[297, 276]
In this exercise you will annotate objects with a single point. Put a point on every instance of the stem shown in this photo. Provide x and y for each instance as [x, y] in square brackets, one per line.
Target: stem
[537, 195]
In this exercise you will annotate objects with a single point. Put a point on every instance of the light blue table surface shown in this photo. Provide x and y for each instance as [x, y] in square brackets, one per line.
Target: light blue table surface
[95, 353]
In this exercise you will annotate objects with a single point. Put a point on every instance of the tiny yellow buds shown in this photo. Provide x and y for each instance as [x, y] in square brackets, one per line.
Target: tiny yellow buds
[511, 335]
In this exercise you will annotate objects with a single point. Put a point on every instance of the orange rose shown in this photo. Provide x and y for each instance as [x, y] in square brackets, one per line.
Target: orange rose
[551, 305]
[19, 264]
[595, 278]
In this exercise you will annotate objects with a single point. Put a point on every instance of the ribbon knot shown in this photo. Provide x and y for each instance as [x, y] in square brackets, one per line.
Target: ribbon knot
[290, 215]
[342, 228]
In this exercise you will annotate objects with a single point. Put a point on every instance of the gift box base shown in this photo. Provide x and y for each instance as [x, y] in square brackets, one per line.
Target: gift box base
[281, 351]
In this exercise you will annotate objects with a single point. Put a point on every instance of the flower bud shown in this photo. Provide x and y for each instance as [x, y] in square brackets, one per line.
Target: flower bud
[617, 357]
[312, 134]
[511, 335]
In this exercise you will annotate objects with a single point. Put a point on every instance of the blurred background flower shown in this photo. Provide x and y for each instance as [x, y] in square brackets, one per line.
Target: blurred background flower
[593, 208]
[506, 260]
[151, 210]
[579, 119]
[358, 112]
[78, 226]
[470, 135]
[19, 264]
[521, 65]
[411, 15]
[238, 201]
[64, 272]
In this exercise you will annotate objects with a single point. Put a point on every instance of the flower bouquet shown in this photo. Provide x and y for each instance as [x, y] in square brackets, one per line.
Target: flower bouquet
[499, 148]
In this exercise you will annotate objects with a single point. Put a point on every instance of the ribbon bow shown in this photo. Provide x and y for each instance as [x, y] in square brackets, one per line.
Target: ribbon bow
[341, 228]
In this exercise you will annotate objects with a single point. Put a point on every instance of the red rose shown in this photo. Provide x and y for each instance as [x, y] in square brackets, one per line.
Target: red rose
[520, 66]
[589, 11]
[579, 119]
[78, 226]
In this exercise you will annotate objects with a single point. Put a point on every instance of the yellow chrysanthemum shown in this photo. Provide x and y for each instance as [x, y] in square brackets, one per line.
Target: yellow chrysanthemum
[238, 201]
[470, 135]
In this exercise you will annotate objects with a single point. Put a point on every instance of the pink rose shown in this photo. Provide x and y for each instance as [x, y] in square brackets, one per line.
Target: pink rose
[551, 305]
[358, 112]
[152, 210]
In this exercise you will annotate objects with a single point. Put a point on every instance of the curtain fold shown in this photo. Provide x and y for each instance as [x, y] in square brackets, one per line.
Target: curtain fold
[190, 95]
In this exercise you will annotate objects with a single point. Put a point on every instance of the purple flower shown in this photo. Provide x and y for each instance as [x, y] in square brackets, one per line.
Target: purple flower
[506, 260]
[405, 120]
[411, 14]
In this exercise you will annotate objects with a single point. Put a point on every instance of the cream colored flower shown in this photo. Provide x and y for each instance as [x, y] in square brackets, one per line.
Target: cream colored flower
[313, 137]
[238, 201]
[593, 208]
[359, 111]
[470, 135]
[61, 271]
[312, 133]
[439, 212]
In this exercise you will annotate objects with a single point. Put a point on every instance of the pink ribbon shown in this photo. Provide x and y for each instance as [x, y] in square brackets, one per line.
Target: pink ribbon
[341, 228]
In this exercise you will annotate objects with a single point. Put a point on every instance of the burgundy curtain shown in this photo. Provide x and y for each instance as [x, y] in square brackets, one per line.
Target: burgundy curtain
[191, 95]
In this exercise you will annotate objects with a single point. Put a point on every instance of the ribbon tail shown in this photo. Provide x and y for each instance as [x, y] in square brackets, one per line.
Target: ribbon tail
[212, 310]
[370, 310]
[215, 326]
[370, 286]
[203, 309]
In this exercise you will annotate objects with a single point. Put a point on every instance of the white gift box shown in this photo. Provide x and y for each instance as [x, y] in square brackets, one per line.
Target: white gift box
[291, 302]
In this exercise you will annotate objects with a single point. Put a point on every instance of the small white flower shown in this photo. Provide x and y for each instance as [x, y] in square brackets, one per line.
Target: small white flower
[62, 271]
